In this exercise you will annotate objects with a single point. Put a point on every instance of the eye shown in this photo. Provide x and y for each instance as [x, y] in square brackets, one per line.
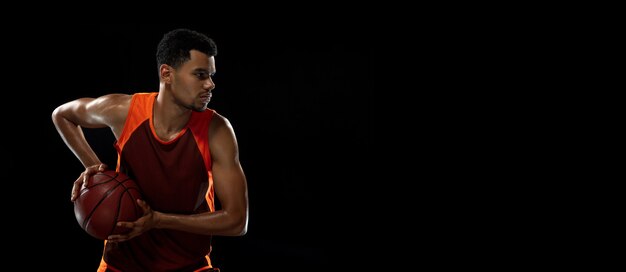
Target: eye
[202, 75]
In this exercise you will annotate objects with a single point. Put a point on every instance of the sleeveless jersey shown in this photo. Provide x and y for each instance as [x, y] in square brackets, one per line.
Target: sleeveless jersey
[174, 177]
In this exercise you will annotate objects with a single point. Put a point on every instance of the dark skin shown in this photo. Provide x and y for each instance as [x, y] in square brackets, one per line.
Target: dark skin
[182, 90]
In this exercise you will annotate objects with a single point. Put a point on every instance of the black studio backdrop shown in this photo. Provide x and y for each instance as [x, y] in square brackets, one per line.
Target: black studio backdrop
[300, 104]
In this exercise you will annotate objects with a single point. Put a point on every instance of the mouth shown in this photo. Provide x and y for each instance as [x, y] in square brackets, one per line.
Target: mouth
[206, 98]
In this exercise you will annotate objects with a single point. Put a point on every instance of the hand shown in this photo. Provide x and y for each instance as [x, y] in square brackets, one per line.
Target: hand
[141, 225]
[84, 177]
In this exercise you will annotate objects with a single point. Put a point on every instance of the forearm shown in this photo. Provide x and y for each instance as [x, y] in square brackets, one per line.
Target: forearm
[74, 138]
[220, 222]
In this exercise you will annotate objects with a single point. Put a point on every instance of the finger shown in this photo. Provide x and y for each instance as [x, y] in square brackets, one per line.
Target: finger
[114, 238]
[143, 206]
[75, 191]
[102, 167]
[129, 225]
[76, 188]
[79, 181]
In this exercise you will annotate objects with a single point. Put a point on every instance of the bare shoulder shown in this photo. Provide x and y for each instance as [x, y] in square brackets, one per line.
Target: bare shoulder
[112, 101]
[111, 109]
[222, 139]
[118, 97]
[220, 128]
[219, 121]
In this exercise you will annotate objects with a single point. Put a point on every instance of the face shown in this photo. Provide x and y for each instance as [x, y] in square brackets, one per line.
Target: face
[192, 84]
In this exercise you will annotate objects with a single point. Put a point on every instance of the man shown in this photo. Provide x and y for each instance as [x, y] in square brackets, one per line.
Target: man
[180, 153]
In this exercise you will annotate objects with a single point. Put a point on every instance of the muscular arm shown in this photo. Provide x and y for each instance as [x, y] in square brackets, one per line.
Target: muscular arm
[108, 110]
[230, 187]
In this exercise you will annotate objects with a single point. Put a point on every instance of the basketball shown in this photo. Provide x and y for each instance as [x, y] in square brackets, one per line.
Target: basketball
[110, 197]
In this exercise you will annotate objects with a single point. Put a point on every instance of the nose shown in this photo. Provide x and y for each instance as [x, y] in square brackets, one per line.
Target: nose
[209, 84]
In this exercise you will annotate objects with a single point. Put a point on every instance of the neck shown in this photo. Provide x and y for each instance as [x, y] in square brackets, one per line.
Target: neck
[168, 117]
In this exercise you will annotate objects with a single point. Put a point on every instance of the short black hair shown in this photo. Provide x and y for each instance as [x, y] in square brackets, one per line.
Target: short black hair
[174, 47]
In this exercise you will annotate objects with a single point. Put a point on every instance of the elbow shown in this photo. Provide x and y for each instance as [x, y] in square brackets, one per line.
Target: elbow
[239, 226]
[242, 227]
[55, 115]
[240, 231]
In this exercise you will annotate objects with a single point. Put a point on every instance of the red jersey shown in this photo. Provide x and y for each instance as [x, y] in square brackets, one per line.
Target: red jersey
[174, 177]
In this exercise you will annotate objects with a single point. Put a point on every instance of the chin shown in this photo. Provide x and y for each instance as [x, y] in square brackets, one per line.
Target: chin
[201, 108]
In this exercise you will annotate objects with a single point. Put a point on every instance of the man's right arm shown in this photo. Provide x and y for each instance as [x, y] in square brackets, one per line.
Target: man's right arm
[105, 111]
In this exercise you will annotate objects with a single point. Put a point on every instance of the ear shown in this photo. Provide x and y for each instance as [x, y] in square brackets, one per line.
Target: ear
[166, 73]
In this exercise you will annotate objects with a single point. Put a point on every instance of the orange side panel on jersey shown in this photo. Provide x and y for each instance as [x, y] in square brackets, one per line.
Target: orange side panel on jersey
[134, 120]
[200, 130]
[104, 266]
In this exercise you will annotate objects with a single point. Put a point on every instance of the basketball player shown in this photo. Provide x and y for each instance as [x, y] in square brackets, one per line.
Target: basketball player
[181, 153]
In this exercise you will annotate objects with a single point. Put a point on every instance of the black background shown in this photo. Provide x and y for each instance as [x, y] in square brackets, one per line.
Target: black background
[300, 104]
